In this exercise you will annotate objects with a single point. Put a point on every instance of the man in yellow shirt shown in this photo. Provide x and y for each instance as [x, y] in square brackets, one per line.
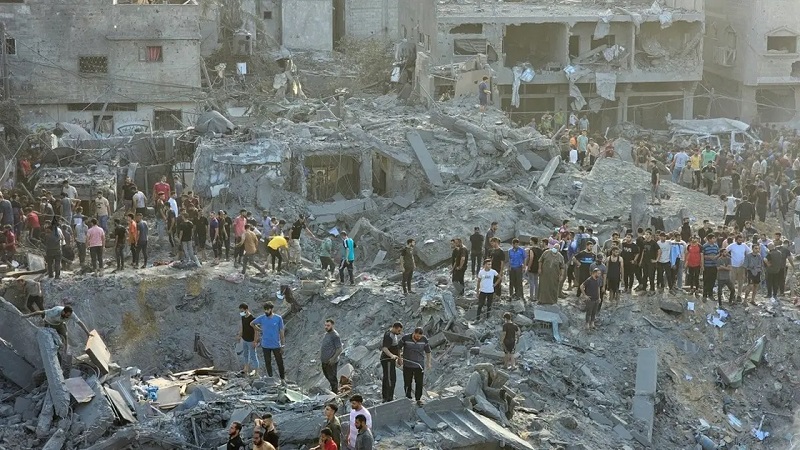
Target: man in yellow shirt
[694, 163]
[249, 242]
[274, 246]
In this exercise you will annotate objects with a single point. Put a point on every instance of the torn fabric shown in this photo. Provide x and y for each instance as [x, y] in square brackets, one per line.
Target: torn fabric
[606, 85]
[575, 93]
[515, 86]
[595, 104]
[603, 27]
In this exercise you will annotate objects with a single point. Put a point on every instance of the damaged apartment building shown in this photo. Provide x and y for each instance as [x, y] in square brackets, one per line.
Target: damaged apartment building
[107, 65]
[752, 59]
[635, 60]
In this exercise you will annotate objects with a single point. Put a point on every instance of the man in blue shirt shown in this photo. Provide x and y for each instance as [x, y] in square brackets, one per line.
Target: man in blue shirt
[270, 330]
[709, 261]
[516, 261]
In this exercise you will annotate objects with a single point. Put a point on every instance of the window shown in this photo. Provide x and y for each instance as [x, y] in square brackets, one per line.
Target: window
[104, 124]
[469, 47]
[467, 28]
[267, 15]
[782, 44]
[11, 46]
[154, 54]
[169, 119]
[574, 46]
[98, 106]
[93, 64]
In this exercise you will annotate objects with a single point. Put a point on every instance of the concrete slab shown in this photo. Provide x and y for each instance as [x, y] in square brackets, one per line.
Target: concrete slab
[20, 333]
[49, 341]
[646, 372]
[79, 389]
[536, 161]
[379, 257]
[643, 410]
[492, 353]
[600, 418]
[424, 158]
[546, 316]
[15, 368]
[118, 403]
[623, 433]
[45, 421]
[405, 200]
[36, 263]
[97, 414]
[98, 352]
[57, 440]
[392, 413]
[241, 415]
[524, 162]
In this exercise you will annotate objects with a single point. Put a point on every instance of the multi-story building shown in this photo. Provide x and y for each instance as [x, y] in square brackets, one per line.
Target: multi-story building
[619, 61]
[105, 64]
[752, 59]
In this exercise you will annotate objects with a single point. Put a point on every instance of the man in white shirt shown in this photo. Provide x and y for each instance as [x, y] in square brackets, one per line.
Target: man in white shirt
[356, 409]
[573, 155]
[678, 164]
[140, 202]
[488, 279]
[57, 318]
[68, 189]
[101, 209]
[738, 250]
[730, 208]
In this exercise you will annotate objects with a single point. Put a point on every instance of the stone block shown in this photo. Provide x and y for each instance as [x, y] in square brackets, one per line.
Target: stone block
[20, 333]
[524, 162]
[646, 372]
[98, 352]
[600, 418]
[492, 353]
[522, 320]
[15, 368]
[49, 342]
[392, 413]
[673, 307]
[623, 433]
[437, 340]
[424, 157]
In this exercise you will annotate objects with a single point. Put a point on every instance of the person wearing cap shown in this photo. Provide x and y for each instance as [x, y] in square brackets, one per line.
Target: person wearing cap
[295, 251]
[592, 287]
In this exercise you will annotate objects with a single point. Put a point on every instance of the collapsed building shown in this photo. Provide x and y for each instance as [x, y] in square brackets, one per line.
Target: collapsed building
[611, 62]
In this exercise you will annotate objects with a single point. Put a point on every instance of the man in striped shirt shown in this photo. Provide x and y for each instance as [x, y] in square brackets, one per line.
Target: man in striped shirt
[709, 262]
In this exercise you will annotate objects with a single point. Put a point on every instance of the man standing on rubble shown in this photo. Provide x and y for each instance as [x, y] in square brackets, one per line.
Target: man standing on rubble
[476, 251]
[6, 212]
[142, 231]
[583, 261]
[330, 350]
[708, 259]
[415, 356]
[140, 202]
[334, 430]
[459, 268]
[186, 238]
[498, 258]
[364, 439]
[295, 251]
[69, 190]
[407, 265]
[57, 318]
[483, 94]
[238, 230]
[119, 244]
[357, 411]
[487, 245]
[161, 189]
[390, 354]
[247, 335]
[33, 291]
[96, 240]
[516, 263]
[348, 257]
[532, 266]
[102, 210]
[325, 252]
[270, 330]
[551, 272]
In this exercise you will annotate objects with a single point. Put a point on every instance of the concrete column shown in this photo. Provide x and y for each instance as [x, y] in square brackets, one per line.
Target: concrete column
[749, 110]
[365, 174]
[688, 103]
[622, 109]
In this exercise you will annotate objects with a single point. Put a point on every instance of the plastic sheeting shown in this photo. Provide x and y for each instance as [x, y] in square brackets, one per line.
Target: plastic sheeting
[213, 122]
[664, 16]
[522, 74]
[606, 85]
[603, 27]
[575, 93]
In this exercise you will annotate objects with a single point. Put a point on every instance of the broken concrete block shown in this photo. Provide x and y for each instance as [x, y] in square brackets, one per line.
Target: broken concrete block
[45, 421]
[97, 414]
[673, 307]
[390, 413]
[474, 384]
[424, 158]
[523, 321]
[36, 263]
[492, 353]
[79, 389]
[536, 161]
[524, 162]
[600, 418]
[437, 340]
[20, 333]
[57, 440]
[98, 352]
[646, 372]
[623, 433]
[518, 306]
[643, 410]
[15, 368]
[49, 342]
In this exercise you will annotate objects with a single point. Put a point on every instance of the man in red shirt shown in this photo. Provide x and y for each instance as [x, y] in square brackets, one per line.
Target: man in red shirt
[9, 246]
[326, 439]
[161, 190]
[32, 224]
[238, 230]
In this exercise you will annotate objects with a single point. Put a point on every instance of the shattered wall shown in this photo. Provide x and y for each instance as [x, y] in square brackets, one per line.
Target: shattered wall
[307, 24]
[365, 18]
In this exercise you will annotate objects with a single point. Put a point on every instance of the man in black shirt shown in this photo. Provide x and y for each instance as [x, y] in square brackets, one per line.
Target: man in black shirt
[248, 335]
[584, 260]
[487, 246]
[647, 261]
[225, 232]
[235, 441]
[268, 429]
[186, 236]
[295, 250]
[460, 258]
[498, 262]
[120, 233]
[705, 230]
[200, 234]
[591, 287]
[476, 250]
[629, 253]
[390, 351]
[532, 266]
[744, 212]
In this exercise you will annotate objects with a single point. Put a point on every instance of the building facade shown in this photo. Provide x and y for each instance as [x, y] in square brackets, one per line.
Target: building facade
[634, 63]
[104, 64]
[752, 59]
